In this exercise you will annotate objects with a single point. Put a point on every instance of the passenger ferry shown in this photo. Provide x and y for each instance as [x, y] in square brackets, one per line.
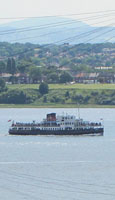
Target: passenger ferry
[57, 125]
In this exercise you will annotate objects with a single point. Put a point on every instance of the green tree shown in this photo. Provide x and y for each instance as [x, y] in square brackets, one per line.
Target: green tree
[43, 88]
[35, 74]
[2, 67]
[66, 77]
[2, 85]
[67, 94]
[11, 66]
[45, 99]
[13, 79]
[23, 66]
[14, 96]
[53, 77]
[64, 61]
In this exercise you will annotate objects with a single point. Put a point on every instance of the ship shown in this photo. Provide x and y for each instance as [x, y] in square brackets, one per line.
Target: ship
[57, 125]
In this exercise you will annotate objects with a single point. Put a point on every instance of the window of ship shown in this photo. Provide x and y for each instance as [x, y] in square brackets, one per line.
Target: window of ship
[27, 128]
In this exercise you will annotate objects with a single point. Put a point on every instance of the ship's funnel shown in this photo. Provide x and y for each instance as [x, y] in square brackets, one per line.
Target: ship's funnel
[51, 117]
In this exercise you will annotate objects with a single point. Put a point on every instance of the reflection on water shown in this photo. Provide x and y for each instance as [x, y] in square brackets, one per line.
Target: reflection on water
[54, 167]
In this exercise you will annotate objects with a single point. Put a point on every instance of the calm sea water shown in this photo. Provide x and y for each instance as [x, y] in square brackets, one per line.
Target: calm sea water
[57, 167]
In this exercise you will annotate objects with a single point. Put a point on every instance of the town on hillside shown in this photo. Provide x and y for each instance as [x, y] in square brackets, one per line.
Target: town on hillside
[81, 63]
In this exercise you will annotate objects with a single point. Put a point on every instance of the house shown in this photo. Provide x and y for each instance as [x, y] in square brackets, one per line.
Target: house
[81, 77]
[64, 68]
[105, 77]
[17, 78]
[5, 76]
[22, 78]
[86, 77]
[104, 68]
[93, 77]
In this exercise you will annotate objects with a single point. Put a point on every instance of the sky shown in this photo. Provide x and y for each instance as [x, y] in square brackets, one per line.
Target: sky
[28, 8]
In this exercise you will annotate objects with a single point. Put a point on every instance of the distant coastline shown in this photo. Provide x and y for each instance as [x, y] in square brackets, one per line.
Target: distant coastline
[53, 106]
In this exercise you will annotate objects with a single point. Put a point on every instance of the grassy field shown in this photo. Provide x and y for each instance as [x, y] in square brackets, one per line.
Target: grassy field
[101, 91]
[66, 86]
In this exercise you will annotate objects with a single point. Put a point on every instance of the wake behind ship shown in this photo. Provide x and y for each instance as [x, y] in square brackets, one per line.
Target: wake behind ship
[57, 125]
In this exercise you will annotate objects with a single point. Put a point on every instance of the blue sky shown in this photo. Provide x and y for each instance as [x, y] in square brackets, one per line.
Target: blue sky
[18, 8]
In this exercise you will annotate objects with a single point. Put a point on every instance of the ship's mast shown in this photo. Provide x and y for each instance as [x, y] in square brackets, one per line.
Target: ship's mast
[78, 112]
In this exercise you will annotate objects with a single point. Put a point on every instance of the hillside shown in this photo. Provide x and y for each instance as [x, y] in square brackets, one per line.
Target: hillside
[56, 30]
[55, 58]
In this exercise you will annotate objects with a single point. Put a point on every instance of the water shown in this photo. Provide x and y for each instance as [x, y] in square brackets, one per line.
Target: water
[57, 167]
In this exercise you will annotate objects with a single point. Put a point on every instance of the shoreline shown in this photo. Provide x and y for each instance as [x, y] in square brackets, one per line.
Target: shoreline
[54, 106]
